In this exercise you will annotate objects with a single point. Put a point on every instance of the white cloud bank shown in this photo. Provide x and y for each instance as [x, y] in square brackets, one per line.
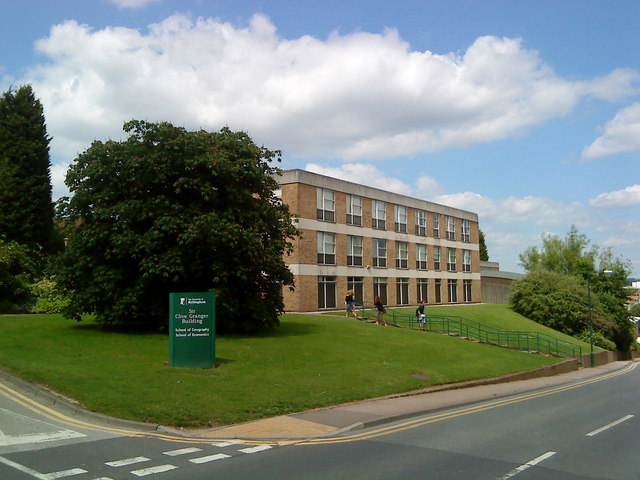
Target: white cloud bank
[628, 197]
[354, 96]
[621, 135]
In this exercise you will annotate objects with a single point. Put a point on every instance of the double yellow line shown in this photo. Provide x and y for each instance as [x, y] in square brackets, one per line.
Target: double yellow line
[56, 416]
[418, 422]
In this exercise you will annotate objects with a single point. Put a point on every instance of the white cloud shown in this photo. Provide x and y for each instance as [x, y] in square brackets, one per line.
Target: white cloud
[131, 3]
[628, 197]
[621, 135]
[362, 174]
[58, 174]
[352, 96]
[513, 210]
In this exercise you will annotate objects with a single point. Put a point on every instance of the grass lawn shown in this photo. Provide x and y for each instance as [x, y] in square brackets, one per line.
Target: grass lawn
[309, 361]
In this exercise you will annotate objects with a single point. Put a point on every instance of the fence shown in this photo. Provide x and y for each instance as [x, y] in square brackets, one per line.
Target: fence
[475, 331]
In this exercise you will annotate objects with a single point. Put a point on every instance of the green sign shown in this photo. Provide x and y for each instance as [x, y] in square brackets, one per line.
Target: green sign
[192, 330]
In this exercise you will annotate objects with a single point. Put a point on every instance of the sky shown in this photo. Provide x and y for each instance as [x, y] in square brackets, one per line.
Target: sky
[526, 112]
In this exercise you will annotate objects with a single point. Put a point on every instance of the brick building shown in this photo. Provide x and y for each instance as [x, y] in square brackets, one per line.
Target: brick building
[375, 242]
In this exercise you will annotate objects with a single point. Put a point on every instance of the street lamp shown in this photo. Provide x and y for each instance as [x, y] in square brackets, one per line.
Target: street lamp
[593, 358]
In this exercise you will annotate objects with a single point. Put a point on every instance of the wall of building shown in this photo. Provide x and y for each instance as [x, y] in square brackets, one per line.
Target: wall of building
[299, 192]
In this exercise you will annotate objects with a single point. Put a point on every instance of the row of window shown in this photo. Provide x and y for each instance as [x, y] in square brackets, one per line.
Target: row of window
[327, 253]
[328, 298]
[326, 211]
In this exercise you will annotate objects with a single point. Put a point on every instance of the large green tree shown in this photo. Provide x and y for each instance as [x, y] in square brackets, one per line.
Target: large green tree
[26, 211]
[597, 270]
[173, 210]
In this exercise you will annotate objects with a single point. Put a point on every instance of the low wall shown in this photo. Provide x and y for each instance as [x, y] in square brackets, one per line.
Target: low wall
[602, 358]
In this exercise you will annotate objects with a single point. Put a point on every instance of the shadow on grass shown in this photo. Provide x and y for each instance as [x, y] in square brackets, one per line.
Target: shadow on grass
[285, 329]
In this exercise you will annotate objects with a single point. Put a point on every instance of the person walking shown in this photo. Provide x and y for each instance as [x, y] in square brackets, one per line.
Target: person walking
[381, 311]
[350, 301]
[420, 313]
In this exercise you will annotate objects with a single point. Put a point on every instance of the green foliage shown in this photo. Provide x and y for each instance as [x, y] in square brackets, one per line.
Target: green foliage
[591, 267]
[556, 300]
[169, 210]
[26, 211]
[599, 340]
[634, 311]
[484, 252]
[49, 298]
[19, 265]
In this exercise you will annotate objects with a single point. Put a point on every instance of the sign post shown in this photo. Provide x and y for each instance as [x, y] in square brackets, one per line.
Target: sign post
[192, 330]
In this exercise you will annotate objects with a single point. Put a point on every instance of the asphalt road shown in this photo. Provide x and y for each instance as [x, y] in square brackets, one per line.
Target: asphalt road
[586, 431]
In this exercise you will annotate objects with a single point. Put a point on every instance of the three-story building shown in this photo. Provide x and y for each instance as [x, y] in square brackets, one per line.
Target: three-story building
[376, 243]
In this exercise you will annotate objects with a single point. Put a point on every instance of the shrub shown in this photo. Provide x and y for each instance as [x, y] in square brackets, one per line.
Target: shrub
[49, 298]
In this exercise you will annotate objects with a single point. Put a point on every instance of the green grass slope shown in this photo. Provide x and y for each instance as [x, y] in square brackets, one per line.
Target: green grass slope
[309, 361]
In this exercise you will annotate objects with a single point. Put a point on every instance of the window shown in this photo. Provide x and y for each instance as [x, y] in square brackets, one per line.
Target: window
[402, 291]
[451, 259]
[453, 291]
[422, 290]
[354, 251]
[466, 260]
[436, 258]
[436, 225]
[451, 228]
[379, 252]
[438, 290]
[467, 290]
[357, 285]
[421, 222]
[421, 257]
[326, 248]
[325, 205]
[354, 210]
[402, 255]
[466, 231]
[326, 292]
[378, 214]
[401, 218]
[380, 289]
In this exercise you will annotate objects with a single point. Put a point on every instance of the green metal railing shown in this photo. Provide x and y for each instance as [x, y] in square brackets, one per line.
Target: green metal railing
[475, 331]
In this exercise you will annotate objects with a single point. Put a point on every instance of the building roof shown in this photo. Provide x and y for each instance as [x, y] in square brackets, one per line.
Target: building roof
[323, 181]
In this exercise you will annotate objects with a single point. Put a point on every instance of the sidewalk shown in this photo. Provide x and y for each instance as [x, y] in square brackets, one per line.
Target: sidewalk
[326, 422]
[368, 413]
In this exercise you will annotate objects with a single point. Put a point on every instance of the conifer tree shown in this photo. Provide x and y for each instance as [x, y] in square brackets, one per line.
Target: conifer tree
[26, 211]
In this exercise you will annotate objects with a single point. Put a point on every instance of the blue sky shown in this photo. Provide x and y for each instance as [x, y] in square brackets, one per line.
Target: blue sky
[526, 112]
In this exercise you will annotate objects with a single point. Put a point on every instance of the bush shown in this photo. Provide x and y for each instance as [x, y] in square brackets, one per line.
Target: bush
[49, 298]
[599, 340]
[19, 265]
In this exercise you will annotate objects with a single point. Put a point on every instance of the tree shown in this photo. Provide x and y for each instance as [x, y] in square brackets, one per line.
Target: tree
[559, 301]
[596, 268]
[484, 252]
[26, 211]
[169, 210]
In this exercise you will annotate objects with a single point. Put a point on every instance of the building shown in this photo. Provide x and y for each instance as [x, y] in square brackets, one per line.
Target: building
[376, 243]
[496, 284]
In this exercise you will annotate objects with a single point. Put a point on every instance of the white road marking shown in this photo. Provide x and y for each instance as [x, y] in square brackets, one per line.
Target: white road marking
[527, 465]
[182, 451]
[259, 448]
[210, 458]
[606, 427]
[22, 468]
[64, 473]
[150, 471]
[41, 476]
[7, 440]
[127, 461]
[227, 444]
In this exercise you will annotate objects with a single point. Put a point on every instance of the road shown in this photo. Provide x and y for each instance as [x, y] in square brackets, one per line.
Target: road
[585, 430]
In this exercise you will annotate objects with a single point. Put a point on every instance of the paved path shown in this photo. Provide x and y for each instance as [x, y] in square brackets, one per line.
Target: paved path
[335, 420]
